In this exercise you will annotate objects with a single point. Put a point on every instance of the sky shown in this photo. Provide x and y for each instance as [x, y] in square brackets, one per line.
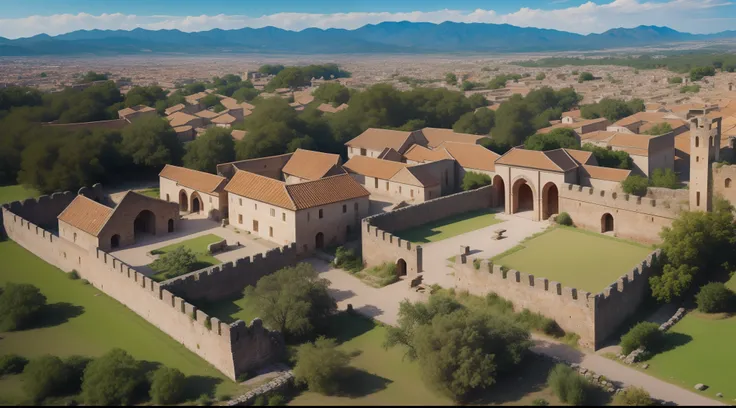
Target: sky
[24, 18]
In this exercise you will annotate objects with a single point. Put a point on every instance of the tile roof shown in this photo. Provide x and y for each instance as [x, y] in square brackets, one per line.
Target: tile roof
[181, 129]
[177, 119]
[238, 134]
[553, 160]
[194, 179]
[580, 156]
[674, 124]
[606, 173]
[436, 136]
[598, 136]
[630, 140]
[575, 114]
[225, 119]
[641, 117]
[574, 125]
[174, 109]
[260, 188]
[682, 142]
[421, 154]
[378, 139]
[85, 214]
[310, 165]
[417, 175]
[207, 114]
[327, 108]
[325, 191]
[368, 166]
[472, 156]
[229, 103]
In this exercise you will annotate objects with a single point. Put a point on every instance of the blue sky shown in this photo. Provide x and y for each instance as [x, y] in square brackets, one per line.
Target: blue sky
[23, 18]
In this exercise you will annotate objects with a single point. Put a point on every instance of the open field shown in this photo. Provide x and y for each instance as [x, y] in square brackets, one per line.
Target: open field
[14, 193]
[198, 245]
[151, 192]
[449, 227]
[87, 322]
[700, 351]
[575, 258]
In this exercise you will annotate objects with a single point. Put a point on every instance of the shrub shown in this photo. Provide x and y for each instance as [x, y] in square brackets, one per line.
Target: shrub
[45, 376]
[634, 397]
[177, 262]
[636, 185]
[540, 402]
[260, 401]
[20, 304]
[473, 180]
[714, 297]
[204, 400]
[167, 386]
[564, 218]
[320, 365]
[644, 334]
[12, 364]
[476, 263]
[347, 259]
[112, 379]
[585, 76]
[85, 282]
[276, 400]
[224, 397]
[569, 386]
[540, 76]
[74, 275]
[675, 80]
[244, 377]
[75, 367]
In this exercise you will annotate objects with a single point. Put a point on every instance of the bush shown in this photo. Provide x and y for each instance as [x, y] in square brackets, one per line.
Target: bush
[675, 80]
[320, 365]
[636, 185]
[714, 297]
[75, 367]
[476, 263]
[177, 262]
[112, 379]
[564, 218]
[644, 334]
[204, 400]
[634, 397]
[85, 282]
[540, 402]
[347, 259]
[665, 178]
[473, 180]
[12, 364]
[74, 275]
[585, 76]
[167, 386]
[20, 304]
[276, 400]
[540, 76]
[224, 397]
[569, 386]
[45, 376]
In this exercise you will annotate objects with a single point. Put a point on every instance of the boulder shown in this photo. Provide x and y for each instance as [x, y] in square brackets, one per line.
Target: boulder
[719, 395]
[700, 387]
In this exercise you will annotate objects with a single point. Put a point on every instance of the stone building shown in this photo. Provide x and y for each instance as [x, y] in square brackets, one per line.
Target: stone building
[194, 191]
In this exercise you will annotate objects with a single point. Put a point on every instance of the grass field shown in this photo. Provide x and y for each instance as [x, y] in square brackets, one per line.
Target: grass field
[198, 245]
[449, 227]
[14, 193]
[575, 258]
[151, 192]
[87, 322]
[700, 351]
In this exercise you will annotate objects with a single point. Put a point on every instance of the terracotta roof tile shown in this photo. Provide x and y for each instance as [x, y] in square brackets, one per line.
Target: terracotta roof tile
[368, 166]
[260, 188]
[238, 134]
[207, 114]
[630, 140]
[606, 173]
[198, 180]
[325, 191]
[85, 214]
[310, 165]
[421, 154]
[472, 156]
[225, 119]
[581, 156]
[417, 175]
[436, 136]
[574, 125]
[553, 160]
[177, 119]
[174, 109]
[378, 139]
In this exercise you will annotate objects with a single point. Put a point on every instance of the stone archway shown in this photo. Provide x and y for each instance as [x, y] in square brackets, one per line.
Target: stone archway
[550, 200]
[319, 240]
[183, 201]
[499, 189]
[401, 267]
[144, 223]
[115, 241]
[607, 223]
[196, 203]
[522, 196]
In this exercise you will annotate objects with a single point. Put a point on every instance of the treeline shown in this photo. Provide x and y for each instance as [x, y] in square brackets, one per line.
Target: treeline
[293, 77]
[682, 63]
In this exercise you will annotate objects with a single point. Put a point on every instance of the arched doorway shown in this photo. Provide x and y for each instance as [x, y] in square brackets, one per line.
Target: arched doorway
[319, 240]
[196, 203]
[523, 197]
[145, 223]
[115, 241]
[550, 200]
[171, 225]
[183, 201]
[499, 190]
[401, 267]
[607, 223]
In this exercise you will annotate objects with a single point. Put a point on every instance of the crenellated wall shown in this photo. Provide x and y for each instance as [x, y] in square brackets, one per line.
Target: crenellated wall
[232, 349]
[593, 317]
[230, 278]
[636, 218]
[724, 181]
[379, 246]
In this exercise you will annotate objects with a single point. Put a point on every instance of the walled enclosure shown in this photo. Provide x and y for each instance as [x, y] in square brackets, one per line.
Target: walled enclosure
[232, 349]
[636, 218]
[379, 245]
[593, 317]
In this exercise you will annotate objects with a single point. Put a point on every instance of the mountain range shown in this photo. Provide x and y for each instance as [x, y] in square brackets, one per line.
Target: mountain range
[387, 37]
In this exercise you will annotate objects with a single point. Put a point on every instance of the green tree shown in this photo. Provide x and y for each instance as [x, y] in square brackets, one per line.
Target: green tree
[21, 305]
[12, 364]
[665, 178]
[293, 300]
[540, 76]
[271, 69]
[674, 80]
[554, 139]
[644, 334]
[320, 365]
[473, 180]
[177, 262]
[694, 88]
[45, 376]
[635, 184]
[209, 101]
[332, 93]
[450, 78]
[698, 73]
[476, 123]
[215, 146]
[151, 142]
[75, 366]
[612, 109]
[468, 85]
[513, 122]
[245, 94]
[714, 297]
[659, 129]
[609, 158]
[112, 379]
[167, 386]
[144, 95]
[585, 76]
[92, 76]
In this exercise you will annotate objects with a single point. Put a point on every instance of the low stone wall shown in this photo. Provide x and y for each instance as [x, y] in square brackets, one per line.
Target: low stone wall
[216, 247]
[278, 384]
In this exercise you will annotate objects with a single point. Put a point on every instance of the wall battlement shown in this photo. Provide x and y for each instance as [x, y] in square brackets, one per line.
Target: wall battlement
[380, 246]
[388, 237]
[621, 201]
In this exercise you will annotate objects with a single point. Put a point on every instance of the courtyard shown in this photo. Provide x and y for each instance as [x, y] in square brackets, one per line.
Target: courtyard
[197, 245]
[449, 227]
[576, 258]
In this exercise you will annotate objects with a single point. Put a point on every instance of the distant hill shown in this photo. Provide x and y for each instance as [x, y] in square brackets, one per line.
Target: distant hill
[388, 37]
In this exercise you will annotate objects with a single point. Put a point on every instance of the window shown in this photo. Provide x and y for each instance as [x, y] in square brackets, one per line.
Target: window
[167, 197]
[256, 205]
[344, 208]
[321, 214]
[697, 141]
[240, 201]
[387, 186]
[355, 207]
[273, 212]
[375, 183]
[728, 183]
[308, 216]
[697, 198]
[697, 159]
[210, 200]
[240, 218]
[255, 225]
[270, 231]
[75, 237]
[411, 193]
[283, 216]
[399, 189]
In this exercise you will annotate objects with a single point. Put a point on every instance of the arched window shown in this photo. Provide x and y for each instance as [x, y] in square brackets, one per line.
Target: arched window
[728, 183]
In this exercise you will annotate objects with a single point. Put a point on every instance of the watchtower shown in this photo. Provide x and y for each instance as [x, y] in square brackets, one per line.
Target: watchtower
[705, 146]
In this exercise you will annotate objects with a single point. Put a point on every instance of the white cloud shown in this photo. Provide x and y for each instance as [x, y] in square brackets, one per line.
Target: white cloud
[688, 15]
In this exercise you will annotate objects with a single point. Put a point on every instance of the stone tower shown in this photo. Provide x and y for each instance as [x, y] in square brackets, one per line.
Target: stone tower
[705, 146]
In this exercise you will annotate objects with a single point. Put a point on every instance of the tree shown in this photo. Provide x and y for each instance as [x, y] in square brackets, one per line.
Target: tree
[167, 386]
[612, 109]
[215, 146]
[634, 397]
[92, 76]
[12, 364]
[45, 376]
[674, 80]
[609, 158]
[144, 95]
[644, 334]
[320, 365]
[271, 69]
[554, 139]
[540, 76]
[112, 379]
[75, 366]
[694, 88]
[714, 297]
[177, 262]
[21, 304]
[245, 94]
[332, 93]
[293, 300]
[151, 142]
[476, 123]
[665, 178]
[473, 180]
[585, 76]
[209, 101]
[513, 122]
[467, 85]
[659, 129]
[635, 184]
[450, 78]
[698, 73]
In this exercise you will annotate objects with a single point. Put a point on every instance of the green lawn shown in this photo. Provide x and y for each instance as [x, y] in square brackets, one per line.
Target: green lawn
[700, 351]
[14, 193]
[449, 227]
[151, 192]
[198, 245]
[576, 258]
[230, 310]
[88, 322]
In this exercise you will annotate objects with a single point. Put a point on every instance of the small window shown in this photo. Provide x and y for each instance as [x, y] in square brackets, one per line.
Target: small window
[375, 182]
[256, 205]
[728, 183]
[167, 197]
[697, 159]
[411, 193]
[344, 208]
[387, 186]
[697, 141]
[399, 189]
[283, 216]
[356, 206]
[240, 218]
[697, 198]
[321, 214]
[75, 237]
[270, 232]
[273, 212]
[240, 201]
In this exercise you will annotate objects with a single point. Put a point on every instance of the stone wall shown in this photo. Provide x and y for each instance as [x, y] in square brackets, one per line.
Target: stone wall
[45, 209]
[232, 349]
[379, 246]
[722, 174]
[636, 218]
[230, 278]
